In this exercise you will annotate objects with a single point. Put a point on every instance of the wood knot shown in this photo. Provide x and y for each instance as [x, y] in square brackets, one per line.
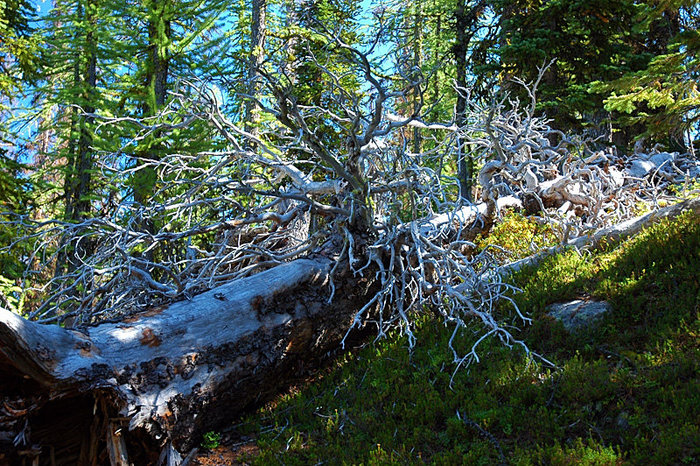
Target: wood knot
[150, 338]
[257, 303]
[44, 353]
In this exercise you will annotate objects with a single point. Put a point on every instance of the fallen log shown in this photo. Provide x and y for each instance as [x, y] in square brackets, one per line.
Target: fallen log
[613, 234]
[144, 389]
[160, 379]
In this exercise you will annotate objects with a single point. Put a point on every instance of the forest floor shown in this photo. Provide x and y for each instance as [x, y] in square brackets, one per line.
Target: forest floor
[625, 391]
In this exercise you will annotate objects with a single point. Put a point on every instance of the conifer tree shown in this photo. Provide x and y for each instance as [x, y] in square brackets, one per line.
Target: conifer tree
[663, 97]
[258, 30]
[450, 52]
[19, 51]
[171, 44]
[311, 52]
[77, 74]
[593, 43]
[467, 24]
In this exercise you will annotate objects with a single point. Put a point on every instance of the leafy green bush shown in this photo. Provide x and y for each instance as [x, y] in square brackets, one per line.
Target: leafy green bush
[516, 237]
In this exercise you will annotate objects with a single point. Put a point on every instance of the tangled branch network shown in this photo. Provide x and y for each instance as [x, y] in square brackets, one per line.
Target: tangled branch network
[276, 192]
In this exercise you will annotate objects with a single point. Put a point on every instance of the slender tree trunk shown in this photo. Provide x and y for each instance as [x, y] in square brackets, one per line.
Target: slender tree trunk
[290, 19]
[157, 74]
[159, 35]
[436, 58]
[78, 176]
[417, 64]
[257, 55]
[79, 164]
[466, 22]
[85, 160]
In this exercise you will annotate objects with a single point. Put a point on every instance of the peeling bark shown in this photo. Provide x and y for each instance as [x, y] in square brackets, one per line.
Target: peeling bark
[167, 375]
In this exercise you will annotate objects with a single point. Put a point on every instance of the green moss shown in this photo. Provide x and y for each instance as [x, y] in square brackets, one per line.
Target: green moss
[627, 392]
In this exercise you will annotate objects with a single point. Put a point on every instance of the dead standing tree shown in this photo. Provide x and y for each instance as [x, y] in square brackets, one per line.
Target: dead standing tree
[176, 329]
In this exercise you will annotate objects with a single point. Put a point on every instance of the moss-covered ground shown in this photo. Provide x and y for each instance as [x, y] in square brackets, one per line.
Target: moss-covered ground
[624, 392]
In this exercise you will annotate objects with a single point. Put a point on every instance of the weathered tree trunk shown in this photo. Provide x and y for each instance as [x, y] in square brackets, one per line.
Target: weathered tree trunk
[121, 392]
[158, 380]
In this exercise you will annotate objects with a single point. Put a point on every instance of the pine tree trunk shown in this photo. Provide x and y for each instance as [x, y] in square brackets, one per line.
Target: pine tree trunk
[77, 185]
[157, 74]
[417, 64]
[85, 162]
[467, 17]
[257, 45]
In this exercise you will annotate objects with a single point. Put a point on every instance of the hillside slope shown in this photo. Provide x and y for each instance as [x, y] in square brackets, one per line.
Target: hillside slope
[626, 391]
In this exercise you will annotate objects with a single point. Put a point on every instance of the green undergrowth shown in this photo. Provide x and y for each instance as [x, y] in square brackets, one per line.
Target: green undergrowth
[516, 237]
[624, 392]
